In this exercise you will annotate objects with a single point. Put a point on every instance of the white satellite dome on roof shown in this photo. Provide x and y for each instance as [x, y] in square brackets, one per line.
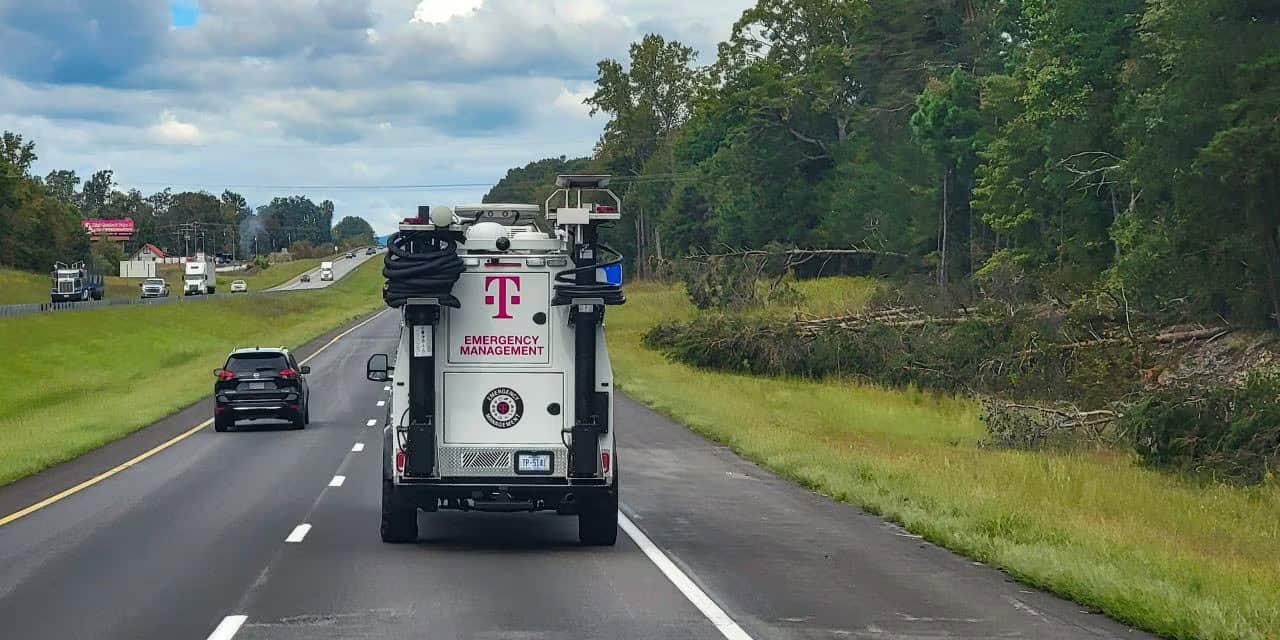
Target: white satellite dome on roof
[483, 236]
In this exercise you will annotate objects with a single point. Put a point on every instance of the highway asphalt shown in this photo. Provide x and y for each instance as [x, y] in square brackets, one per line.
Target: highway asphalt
[267, 533]
[341, 267]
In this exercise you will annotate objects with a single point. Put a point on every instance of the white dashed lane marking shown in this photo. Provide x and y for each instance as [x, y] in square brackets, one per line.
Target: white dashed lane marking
[371, 422]
[382, 403]
[337, 481]
[299, 532]
[357, 447]
[227, 628]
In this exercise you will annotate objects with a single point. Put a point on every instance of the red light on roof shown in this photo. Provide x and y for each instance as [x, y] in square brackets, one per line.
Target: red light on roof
[412, 221]
[604, 208]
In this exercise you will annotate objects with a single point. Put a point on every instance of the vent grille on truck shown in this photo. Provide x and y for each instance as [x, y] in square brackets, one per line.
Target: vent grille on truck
[486, 459]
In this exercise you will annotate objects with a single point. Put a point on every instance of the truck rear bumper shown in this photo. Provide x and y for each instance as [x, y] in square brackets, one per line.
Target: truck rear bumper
[501, 494]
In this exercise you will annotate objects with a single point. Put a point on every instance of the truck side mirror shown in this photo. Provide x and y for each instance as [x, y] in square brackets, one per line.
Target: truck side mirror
[305, 369]
[379, 368]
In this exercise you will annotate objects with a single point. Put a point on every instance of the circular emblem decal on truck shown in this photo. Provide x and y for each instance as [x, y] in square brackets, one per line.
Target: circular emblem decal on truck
[503, 408]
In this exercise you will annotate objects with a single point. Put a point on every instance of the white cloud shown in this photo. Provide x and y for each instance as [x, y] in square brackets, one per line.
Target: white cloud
[570, 102]
[335, 92]
[582, 11]
[171, 130]
[440, 11]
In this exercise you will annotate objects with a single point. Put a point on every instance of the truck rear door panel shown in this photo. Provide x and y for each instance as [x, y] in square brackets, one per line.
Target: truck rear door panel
[509, 408]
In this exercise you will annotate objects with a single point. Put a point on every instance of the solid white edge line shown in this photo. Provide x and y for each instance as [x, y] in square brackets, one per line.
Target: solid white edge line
[337, 481]
[299, 532]
[226, 630]
[721, 620]
[371, 422]
[357, 447]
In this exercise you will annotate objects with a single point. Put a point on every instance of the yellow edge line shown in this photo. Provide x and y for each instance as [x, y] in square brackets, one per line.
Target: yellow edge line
[157, 449]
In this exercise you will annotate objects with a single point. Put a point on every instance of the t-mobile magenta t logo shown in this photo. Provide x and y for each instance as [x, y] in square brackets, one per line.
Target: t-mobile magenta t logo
[505, 296]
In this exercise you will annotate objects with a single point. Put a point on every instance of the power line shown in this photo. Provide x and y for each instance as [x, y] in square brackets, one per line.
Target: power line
[641, 179]
[320, 187]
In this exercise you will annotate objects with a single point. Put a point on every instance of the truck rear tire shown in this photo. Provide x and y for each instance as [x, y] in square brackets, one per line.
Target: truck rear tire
[399, 523]
[221, 425]
[598, 522]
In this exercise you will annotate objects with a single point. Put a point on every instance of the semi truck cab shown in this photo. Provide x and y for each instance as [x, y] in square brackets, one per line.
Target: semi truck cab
[199, 278]
[502, 389]
[75, 283]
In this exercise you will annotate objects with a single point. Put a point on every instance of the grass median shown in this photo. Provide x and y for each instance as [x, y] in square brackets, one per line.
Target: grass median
[76, 381]
[1179, 558]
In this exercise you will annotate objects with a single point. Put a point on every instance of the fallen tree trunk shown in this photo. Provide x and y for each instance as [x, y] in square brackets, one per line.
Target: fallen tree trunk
[897, 317]
[1026, 426]
[797, 252]
[1171, 337]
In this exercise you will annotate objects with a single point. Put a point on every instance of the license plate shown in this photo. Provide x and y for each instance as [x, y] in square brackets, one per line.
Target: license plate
[533, 462]
[257, 385]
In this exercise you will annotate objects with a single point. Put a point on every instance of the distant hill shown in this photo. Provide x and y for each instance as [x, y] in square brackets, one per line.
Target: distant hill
[535, 181]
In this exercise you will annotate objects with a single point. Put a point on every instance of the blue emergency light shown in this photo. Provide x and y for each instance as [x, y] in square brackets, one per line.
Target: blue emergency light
[613, 273]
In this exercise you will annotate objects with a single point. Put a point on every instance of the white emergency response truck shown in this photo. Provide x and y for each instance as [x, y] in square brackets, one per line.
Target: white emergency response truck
[502, 390]
[326, 270]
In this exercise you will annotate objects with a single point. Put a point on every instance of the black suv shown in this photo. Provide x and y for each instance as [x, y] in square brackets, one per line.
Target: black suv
[261, 383]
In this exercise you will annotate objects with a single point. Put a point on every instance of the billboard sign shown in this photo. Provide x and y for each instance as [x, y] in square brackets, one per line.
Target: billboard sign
[110, 229]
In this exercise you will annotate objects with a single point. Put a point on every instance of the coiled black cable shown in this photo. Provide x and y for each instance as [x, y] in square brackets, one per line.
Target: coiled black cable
[421, 264]
[567, 287]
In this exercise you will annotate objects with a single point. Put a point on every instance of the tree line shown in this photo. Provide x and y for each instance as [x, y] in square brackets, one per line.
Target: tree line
[40, 217]
[1057, 148]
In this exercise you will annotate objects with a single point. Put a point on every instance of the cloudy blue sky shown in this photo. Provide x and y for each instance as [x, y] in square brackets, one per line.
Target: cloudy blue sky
[262, 95]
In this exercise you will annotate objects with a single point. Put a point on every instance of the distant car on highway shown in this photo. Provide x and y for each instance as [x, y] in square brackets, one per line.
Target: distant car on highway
[261, 382]
[371, 251]
[351, 254]
[239, 286]
[154, 288]
[306, 277]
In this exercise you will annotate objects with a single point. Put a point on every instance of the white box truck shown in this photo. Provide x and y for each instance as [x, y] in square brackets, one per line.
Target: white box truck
[200, 278]
[326, 270]
[502, 390]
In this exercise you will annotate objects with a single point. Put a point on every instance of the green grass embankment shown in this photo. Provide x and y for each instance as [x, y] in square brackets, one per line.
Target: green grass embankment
[76, 381]
[1179, 558]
